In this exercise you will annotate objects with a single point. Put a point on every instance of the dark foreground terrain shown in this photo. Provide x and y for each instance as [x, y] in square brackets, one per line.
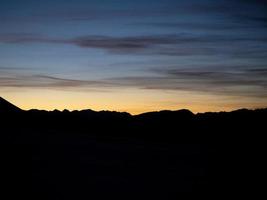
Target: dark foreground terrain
[106, 155]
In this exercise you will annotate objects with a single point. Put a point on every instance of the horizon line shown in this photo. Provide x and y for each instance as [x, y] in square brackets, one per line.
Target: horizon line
[154, 111]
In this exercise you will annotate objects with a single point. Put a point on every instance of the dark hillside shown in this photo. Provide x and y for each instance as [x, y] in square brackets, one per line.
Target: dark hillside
[99, 155]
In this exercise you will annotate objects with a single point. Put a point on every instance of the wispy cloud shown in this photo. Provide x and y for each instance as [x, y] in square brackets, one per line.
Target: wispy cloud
[25, 38]
[248, 82]
[16, 80]
[171, 45]
[2, 68]
[236, 23]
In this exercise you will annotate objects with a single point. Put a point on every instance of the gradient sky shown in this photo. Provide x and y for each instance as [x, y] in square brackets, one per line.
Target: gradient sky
[134, 55]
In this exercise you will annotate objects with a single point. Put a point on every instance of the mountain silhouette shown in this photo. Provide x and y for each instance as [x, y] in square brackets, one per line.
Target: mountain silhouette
[98, 155]
[6, 106]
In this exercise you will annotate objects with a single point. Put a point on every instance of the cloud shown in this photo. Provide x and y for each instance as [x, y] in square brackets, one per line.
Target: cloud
[170, 45]
[126, 45]
[237, 23]
[177, 45]
[107, 14]
[86, 13]
[146, 45]
[248, 82]
[18, 80]
[25, 38]
[2, 68]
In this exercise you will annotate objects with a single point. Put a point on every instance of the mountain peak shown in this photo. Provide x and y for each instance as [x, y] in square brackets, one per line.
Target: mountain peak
[6, 106]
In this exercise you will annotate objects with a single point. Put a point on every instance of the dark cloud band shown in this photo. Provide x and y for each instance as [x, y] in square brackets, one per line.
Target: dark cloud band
[251, 82]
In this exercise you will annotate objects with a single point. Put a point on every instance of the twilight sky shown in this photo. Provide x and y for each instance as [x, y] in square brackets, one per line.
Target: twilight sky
[134, 55]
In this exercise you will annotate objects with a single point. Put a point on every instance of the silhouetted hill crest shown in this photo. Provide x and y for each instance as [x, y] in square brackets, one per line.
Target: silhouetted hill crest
[184, 114]
[6, 106]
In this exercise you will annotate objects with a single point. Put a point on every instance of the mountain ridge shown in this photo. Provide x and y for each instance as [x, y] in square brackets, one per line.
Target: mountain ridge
[168, 151]
[6, 106]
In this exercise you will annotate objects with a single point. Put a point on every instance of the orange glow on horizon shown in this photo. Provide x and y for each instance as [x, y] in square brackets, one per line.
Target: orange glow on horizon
[134, 101]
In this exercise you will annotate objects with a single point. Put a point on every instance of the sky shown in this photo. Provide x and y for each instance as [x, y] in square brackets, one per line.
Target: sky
[134, 56]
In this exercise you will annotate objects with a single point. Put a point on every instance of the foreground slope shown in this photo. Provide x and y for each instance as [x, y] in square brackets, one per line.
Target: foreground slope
[99, 155]
[6, 106]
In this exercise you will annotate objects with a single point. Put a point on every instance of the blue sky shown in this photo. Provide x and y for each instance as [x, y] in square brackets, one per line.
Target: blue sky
[212, 51]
